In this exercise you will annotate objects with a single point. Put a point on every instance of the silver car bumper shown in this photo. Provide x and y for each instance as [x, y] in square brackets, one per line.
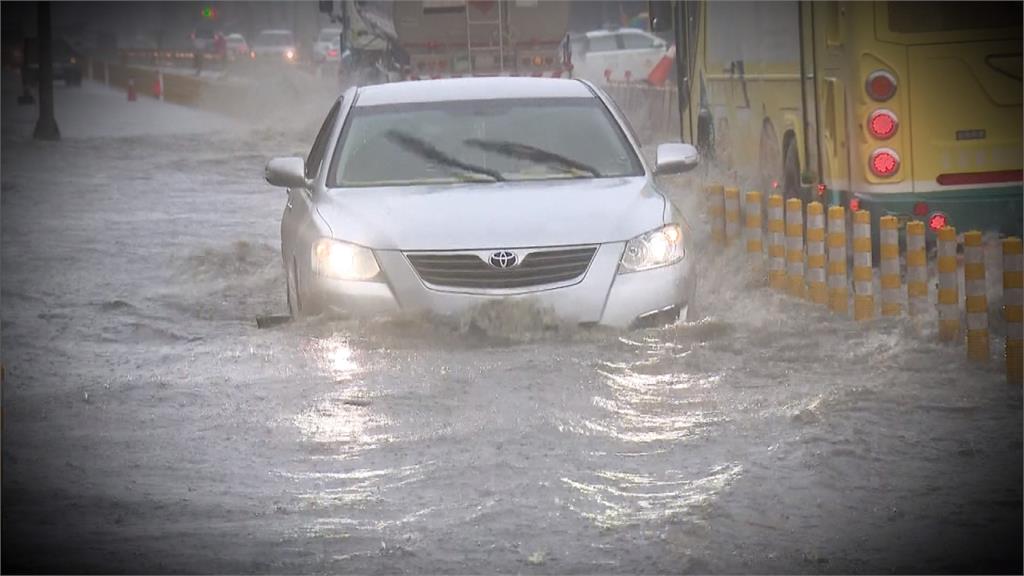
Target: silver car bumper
[601, 296]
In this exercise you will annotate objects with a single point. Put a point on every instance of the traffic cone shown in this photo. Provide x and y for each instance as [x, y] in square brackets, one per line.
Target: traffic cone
[662, 69]
[132, 97]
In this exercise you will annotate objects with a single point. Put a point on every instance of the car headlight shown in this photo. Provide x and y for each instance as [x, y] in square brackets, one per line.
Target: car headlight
[656, 248]
[290, 54]
[343, 261]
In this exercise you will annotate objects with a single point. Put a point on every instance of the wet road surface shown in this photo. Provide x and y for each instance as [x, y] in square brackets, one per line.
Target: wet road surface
[148, 425]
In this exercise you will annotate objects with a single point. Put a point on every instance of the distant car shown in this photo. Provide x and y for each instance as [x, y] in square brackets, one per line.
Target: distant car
[275, 46]
[327, 47]
[441, 195]
[616, 55]
[237, 47]
[67, 63]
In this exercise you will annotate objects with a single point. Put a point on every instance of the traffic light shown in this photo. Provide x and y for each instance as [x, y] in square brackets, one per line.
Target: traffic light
[209, 13]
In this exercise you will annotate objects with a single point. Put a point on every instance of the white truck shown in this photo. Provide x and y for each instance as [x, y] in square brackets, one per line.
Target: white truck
[452, 38]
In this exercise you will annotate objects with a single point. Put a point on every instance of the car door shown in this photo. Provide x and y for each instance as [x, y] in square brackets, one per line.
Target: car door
[640, 52]
[299, 208]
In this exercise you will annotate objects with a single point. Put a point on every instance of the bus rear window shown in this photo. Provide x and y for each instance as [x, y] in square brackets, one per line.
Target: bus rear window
[923, 17]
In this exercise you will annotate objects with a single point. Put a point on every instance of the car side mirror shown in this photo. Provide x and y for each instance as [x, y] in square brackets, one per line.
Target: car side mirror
[286, 172]
[676, 158]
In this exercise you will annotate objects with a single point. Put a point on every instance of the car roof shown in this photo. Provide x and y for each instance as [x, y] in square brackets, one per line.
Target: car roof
[599, 33]
[450, 89]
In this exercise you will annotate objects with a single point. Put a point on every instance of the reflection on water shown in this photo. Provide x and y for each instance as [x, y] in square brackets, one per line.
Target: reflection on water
[345, 416]
[612, 499]
[653, 402]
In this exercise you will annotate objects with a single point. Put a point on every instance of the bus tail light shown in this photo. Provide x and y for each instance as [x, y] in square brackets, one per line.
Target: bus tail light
[938, 221]
[880, 85]
[882, 124]
[884, 162]
[920, 209]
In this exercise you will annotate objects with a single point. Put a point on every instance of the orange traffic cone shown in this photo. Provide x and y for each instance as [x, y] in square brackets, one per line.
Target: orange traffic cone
[662, 69]
[131, 90]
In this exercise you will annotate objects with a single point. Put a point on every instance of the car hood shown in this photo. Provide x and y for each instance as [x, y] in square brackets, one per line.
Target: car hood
[494, 215]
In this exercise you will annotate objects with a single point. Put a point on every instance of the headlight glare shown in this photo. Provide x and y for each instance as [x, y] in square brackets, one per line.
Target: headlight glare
[656, 248]
[343, 261]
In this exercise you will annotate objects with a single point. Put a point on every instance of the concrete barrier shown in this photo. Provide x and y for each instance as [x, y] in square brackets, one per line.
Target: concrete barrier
[889, 262]
[949, 300]
[917, 269]
[838, 287]
[776, 243]
[817, 288]
[975, 297]
[1013, 309]
[795, 247]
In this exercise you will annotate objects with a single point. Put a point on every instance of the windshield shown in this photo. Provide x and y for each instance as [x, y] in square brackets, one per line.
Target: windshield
[481, 140]
[274, 39]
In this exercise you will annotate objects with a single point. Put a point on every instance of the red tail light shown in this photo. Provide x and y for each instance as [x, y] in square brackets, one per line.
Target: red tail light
[882, 124]
[775, 184]
[938, 221]
[821, 190]
[884, 162]
[880, 85]
[854, 204]
[920, 209]
[332, 53]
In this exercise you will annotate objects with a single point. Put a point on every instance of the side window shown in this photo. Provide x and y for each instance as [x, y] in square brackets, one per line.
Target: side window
[316, 154]
[633, 41]
[604, 43]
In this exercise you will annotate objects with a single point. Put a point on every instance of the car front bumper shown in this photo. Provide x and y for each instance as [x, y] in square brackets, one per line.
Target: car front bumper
[601, 296]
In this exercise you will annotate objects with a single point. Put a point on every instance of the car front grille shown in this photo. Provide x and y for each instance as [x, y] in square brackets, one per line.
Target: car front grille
[470, 270]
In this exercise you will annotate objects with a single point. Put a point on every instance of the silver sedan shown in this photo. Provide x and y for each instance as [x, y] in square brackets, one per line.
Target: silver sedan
[442, 195]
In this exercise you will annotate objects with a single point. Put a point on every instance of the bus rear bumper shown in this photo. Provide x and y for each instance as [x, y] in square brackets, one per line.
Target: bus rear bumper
[996, 209]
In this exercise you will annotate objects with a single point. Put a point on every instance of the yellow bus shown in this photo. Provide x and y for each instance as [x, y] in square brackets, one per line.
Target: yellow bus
[910, 109]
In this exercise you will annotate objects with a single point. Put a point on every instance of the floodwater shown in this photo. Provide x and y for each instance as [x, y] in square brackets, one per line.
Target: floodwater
[149, 426]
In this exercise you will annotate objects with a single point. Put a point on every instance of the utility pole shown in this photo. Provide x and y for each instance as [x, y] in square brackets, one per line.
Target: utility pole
[46, 126]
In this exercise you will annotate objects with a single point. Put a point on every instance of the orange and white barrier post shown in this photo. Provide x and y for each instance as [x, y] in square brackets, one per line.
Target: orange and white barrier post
[863, 275]
[838, 300]
[816, 286]
[732, 215]
[716, 211]
[752, 231]
[917, 269]
[1013, 307]
[776, 243]
[795, 247]
[976, 298]
[949, 297]
[889, 277]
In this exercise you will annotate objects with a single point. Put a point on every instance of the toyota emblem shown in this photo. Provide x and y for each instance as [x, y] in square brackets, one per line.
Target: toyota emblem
[504, 259]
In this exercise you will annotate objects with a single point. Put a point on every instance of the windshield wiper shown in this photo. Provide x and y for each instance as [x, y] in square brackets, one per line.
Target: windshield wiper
[428, 151]
[527, 152]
